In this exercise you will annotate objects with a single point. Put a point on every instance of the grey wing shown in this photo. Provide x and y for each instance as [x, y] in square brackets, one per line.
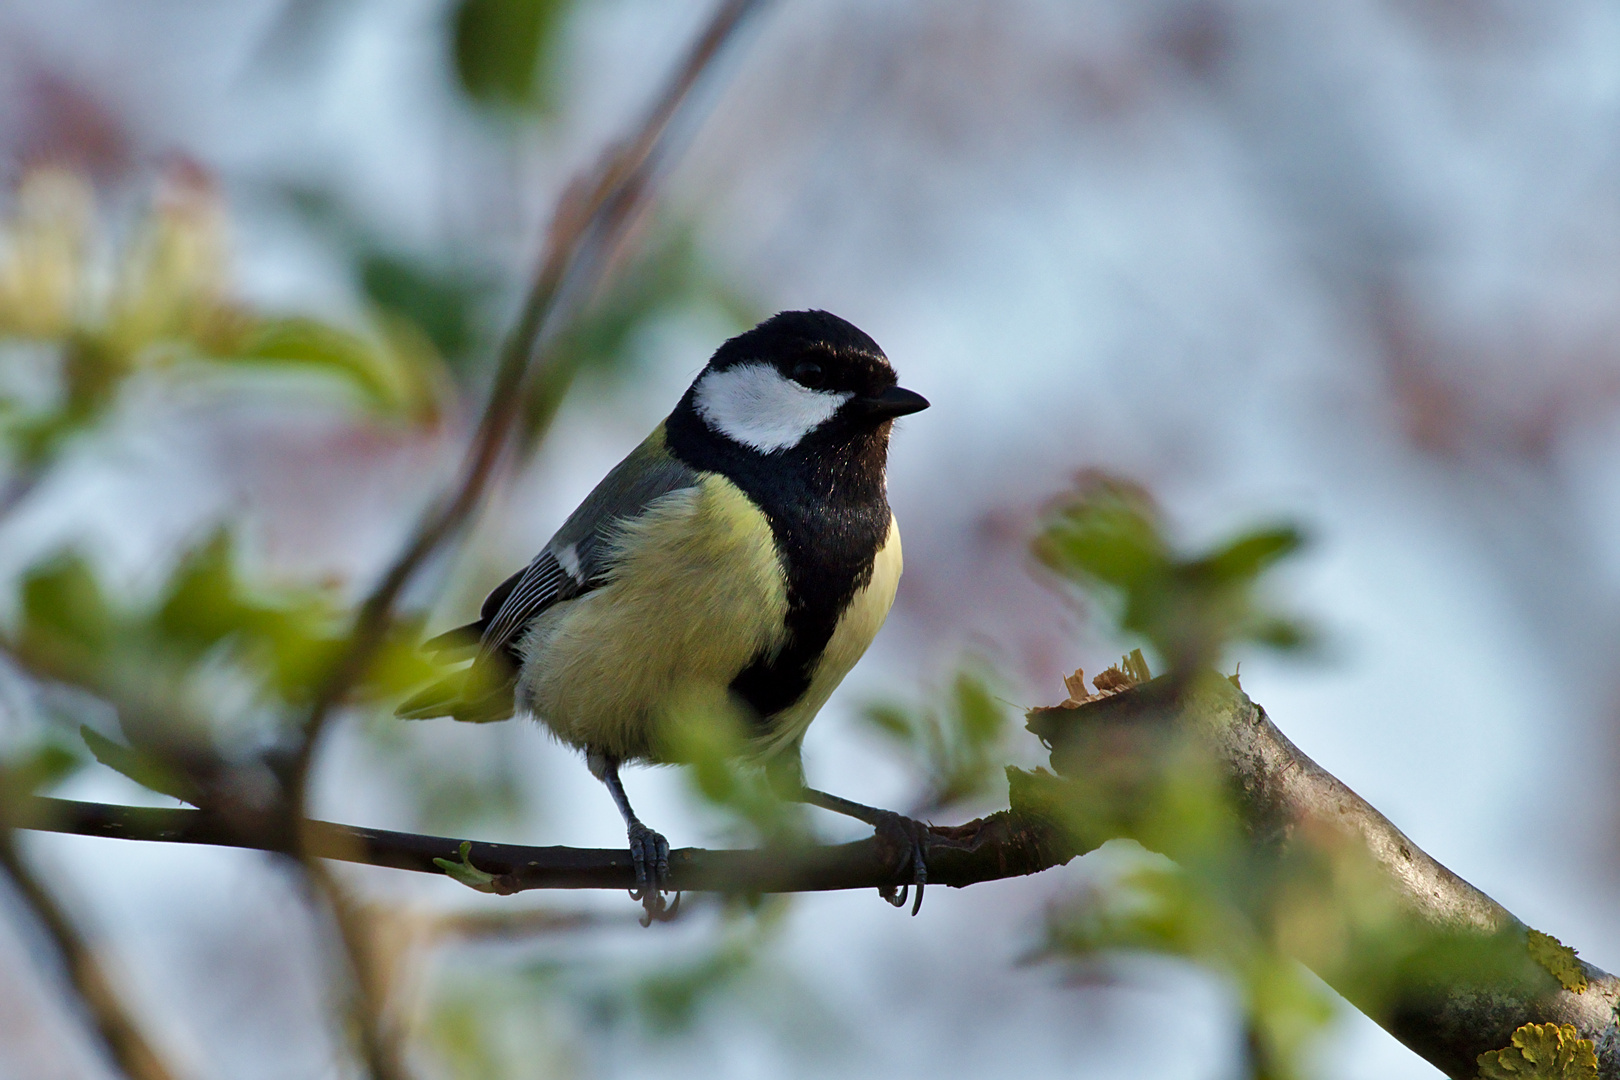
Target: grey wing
[579, 558]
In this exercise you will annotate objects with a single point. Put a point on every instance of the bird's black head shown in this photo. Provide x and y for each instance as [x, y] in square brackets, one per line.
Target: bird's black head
[799, 376]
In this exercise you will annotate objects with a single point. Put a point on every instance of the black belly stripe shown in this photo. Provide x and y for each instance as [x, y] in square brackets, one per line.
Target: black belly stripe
[818, 591]
[830, 517]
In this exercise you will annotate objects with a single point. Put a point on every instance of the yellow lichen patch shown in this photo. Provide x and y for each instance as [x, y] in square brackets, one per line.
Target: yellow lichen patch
[1559, 960]
[1542, 1052]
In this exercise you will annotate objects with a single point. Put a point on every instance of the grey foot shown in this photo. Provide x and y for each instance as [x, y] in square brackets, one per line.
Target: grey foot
[649, 851]
[906, 837]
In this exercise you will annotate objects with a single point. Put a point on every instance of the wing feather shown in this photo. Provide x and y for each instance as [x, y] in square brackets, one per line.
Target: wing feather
[580, 557]
[537, 589]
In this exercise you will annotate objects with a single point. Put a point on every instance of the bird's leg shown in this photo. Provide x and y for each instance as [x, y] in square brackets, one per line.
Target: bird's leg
[906, 835]
[649, 851]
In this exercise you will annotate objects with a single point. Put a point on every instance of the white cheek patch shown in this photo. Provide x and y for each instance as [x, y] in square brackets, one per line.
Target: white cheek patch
[755, 405]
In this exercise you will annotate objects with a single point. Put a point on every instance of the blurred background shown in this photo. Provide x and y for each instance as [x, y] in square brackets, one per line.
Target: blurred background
[1350, 264]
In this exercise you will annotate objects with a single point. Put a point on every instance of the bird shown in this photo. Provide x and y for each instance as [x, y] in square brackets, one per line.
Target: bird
[738, 562]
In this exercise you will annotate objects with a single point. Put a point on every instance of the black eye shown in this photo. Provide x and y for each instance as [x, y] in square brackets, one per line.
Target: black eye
[808, 373]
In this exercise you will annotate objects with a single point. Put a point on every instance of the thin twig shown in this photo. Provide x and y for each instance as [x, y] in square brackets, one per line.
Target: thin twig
[119, 1034]
[590, 219]
[377, 1035]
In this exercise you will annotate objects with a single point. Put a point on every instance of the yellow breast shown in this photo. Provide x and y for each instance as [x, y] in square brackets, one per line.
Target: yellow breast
[697, 592]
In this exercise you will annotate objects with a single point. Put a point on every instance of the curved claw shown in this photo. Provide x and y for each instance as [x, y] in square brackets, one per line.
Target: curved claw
[906, 836]
[649, 852]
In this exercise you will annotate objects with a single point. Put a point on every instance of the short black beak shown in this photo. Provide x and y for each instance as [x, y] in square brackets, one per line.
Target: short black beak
[895, 401]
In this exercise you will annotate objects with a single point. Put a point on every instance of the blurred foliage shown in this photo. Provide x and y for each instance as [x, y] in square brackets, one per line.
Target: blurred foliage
[669, 274]
[106, 313]
[454, 789]
[442, 303]
[162, 661]
[283, 637]
[713, 745]
[957, 743]
[666, 275]
[734, 965]
[502, 1022]
[195, 687]
[1109, 538]
[502, 49]
[526, 1010]
[443, 297]
[219, 662]
[35, 766]
[671, 999]
[1209, 893]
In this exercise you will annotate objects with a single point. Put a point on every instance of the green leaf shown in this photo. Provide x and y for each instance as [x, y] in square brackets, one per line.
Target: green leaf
[202, 605]
[400, 665]
[1251, 554]
[441, 304]
[139, 766]
[953, 743]
[1108, 538]
[1110, 535]
[892, 721]
[288, 635]
[501, 46]
[1283, 635]
[66, 619]
[979, 716]
[394, 374]
[671, 1000]
[309, 342]
[37, 767]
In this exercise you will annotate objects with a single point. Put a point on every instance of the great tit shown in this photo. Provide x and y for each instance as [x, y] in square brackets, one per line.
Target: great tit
[739, 561]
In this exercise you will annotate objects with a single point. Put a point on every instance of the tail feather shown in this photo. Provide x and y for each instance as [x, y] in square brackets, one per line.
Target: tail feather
[462, 641]
[464, 696]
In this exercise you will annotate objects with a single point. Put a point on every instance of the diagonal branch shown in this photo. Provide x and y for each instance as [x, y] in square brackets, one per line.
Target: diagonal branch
[121, 1037]
[1292, 808]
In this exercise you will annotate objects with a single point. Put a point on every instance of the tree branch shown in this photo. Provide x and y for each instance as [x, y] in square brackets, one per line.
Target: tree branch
[1010, 843]
[1289, 805]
